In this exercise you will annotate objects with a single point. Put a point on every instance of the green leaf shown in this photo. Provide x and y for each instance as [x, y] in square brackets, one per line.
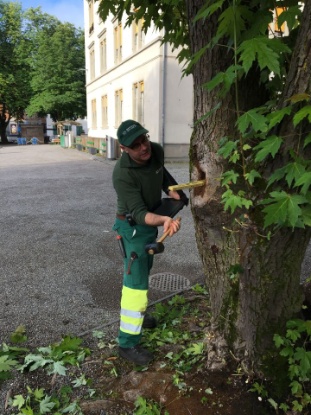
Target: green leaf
[269, 146]
[283, 209]
[46, 405]
[229, 177]
[6, 364]
[305, 182]
[273, 403]
[289, 15]
[293, 172]
[35, 361]
[307, 140]
[234, 201]
[306, 215]
[59, 368]
[252, 118]
[258, 48]
[278, 340]
[226, 79]
[227, 149]
[18, 401]
[38, 394]
[251, 176]
[301, 114]
[276, 117]
[208, 9]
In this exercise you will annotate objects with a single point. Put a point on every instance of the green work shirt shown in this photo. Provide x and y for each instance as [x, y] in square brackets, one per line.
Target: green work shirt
[139, 187]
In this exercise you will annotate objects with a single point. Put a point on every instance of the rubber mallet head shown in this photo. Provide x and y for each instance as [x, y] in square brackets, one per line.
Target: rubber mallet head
[154, 248]
[158, 247]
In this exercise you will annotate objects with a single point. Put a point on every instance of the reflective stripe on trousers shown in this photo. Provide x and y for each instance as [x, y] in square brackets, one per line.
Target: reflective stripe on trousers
[132, 300]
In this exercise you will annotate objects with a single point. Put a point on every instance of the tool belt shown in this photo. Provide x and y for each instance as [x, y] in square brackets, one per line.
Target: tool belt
[121, 217]
[127, 217]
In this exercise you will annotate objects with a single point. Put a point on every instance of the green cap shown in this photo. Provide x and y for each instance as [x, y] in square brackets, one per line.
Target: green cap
[128, 131]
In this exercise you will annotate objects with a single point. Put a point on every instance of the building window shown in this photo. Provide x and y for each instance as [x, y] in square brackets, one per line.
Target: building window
[117, 43]
[138, 102]
[118, 107]
[92, 63]
[138, 35]
[91, 16]
[104, 111]
[94, 114]
[103, 54]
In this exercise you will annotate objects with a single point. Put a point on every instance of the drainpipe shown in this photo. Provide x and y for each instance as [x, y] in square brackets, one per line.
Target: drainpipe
[164, 62]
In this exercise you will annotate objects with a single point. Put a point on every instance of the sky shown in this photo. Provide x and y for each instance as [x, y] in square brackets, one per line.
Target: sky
[65, 10]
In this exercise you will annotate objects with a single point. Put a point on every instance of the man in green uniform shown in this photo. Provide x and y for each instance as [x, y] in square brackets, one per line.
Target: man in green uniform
[138, 179]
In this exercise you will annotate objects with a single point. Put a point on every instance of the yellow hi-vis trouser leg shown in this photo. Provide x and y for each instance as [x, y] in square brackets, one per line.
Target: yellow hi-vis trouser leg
[133, 306]
[134, 298]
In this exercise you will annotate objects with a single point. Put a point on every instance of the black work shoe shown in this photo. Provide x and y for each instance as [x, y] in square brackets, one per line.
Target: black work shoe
[149, 322]
[136, 354]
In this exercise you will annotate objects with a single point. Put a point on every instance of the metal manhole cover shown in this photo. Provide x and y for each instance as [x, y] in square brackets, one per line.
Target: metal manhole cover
[168, 282]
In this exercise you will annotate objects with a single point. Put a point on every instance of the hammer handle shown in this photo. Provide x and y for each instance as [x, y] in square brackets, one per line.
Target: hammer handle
[165, 235]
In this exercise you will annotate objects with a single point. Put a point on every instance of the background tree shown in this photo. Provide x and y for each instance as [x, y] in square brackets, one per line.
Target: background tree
[40, 62]
[15, 88]
[58, 83]
[251, 142]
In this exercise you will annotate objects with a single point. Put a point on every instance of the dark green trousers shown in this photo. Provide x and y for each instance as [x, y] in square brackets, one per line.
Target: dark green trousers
[134, 298]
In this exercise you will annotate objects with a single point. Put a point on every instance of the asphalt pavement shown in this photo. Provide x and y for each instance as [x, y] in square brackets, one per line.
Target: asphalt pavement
[60, 265]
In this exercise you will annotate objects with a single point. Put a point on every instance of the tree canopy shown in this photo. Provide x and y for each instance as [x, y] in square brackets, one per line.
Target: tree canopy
[40, 66]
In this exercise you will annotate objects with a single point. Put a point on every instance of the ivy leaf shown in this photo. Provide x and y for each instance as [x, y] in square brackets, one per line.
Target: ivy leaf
[18, 401]
[306, 215]
[253, 118]
[278, 341]
[232, 20]
[269, 146]
[276, 117]
[307, 140]
[283, 209]
[251, 176]
[6, 363]
[46, 405]
[226, 79]
[276, 176]
[59, 368]
[299, 97]
[258, 48]
[34, 362]
[301, 114]
[227, 149]
[208, 9]
[304, 358]
[293, 172]
[229, 177]
[38, 394]
[234, 201]
[289, 15]
[305, 182]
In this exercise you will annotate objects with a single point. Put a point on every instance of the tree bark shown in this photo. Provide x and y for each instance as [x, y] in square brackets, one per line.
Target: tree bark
[4, 122]
[253, 281]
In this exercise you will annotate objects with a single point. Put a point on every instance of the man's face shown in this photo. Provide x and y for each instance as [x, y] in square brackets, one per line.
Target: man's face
[140, 149]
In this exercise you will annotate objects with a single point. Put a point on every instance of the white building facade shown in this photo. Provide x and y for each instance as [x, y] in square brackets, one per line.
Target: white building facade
[130, 74]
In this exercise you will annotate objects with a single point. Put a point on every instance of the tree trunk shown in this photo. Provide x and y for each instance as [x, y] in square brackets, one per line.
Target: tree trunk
[254, 283]
[4, 122]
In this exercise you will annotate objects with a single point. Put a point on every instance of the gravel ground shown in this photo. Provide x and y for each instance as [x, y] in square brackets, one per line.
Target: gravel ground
[61, 270]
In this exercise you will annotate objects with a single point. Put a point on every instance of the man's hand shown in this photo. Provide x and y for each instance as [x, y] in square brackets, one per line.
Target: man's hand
[170, 225]
[174, 195]
[167, 222]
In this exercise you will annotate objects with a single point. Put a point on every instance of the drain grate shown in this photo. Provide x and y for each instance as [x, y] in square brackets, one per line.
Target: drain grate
[168, 282]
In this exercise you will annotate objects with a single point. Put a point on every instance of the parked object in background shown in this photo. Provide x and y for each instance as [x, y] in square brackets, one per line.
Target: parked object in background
[21, 141]
[34, 140]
